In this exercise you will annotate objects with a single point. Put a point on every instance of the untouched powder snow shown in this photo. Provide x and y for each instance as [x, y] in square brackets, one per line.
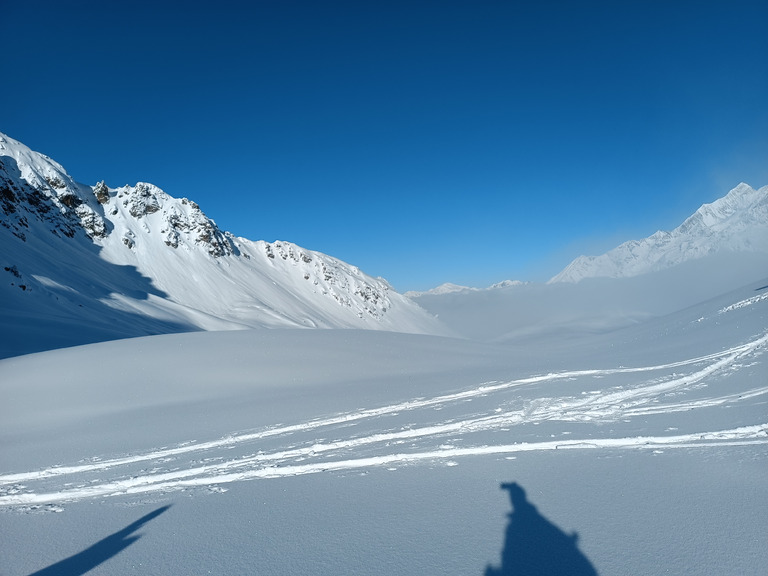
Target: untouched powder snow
[640, 451]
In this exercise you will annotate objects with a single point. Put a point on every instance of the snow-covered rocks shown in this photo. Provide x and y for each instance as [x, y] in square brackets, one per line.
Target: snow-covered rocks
[32, 186]
[181, 221]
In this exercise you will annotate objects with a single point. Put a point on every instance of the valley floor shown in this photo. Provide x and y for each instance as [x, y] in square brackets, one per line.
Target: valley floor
[638, 451]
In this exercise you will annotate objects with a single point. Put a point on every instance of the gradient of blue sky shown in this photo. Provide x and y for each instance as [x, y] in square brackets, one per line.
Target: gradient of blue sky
[424, 142]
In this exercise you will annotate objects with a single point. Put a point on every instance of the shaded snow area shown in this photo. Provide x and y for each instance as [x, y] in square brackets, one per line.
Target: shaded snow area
[641, 449]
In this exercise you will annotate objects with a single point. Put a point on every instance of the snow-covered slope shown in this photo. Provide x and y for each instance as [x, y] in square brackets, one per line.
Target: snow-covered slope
[736, 223]
[383, 453]
[86, 263]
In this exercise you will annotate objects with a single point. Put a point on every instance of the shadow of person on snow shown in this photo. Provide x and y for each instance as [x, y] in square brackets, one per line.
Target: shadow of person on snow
[103, 550]
[533, 546]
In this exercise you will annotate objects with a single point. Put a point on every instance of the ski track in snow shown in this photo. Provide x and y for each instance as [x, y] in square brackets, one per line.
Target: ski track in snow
[744, 303]
[389, 435]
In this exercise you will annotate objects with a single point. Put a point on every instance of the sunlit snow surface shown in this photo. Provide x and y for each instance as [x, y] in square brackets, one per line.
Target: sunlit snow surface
[330, 452]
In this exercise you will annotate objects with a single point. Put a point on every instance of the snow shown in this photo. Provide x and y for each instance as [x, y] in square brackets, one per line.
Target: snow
[99, 263]
[448, 288]
[608, 426]
[540, 312]
[337, 451]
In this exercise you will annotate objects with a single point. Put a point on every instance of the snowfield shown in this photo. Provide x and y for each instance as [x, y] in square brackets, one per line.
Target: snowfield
[640, 450]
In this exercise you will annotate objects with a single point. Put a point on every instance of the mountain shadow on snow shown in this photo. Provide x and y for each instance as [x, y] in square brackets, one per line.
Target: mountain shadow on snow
[534, 546]
[85, 561]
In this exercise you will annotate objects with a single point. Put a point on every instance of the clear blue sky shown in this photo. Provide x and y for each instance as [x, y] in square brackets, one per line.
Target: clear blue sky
[423, 141]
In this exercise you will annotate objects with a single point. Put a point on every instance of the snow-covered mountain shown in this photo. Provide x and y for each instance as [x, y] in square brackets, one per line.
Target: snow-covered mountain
[450, 288]
[84, 263]
[736, 223]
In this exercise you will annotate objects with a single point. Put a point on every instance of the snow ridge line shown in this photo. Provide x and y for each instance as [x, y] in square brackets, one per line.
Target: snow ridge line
[748, 435]
[597, 406]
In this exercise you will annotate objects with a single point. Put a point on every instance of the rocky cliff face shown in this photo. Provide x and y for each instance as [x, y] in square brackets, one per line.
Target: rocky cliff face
[182, 223]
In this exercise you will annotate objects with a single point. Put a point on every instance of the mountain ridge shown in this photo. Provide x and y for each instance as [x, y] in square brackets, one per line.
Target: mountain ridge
[79, 254]
[737, 222]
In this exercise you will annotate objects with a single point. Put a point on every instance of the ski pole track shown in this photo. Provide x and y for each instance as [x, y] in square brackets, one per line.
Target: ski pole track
[368, 442]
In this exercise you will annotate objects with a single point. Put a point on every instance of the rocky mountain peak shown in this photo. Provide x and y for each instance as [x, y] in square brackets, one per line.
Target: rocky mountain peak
[32, 186]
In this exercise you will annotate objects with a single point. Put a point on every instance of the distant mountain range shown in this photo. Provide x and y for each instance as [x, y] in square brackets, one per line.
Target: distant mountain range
[736, 223]
[95, 262]
[722, 247]
[449, 288]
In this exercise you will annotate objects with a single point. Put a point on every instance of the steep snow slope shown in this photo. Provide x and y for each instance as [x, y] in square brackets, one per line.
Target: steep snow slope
[738, 222]
[81, 264]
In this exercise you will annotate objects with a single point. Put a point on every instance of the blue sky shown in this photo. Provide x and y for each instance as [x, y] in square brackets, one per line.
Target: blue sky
[424, 142]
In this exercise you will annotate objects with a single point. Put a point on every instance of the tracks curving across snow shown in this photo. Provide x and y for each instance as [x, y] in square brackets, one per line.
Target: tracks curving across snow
[477, 421]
